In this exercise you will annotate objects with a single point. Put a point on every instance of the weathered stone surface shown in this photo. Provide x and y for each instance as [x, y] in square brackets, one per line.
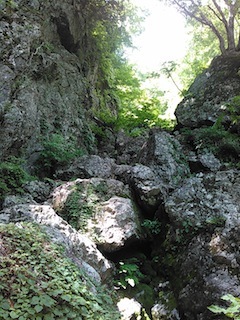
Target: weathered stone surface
[148, 188]
[116, 224]
[129, 308]
[78, 246]
[204, 213]
[102, 208]
[203, 161]
[42, 88]
[205, 200]
[39, 190]
[164, 155]
[129, 149]
[99, 189]
[87, 167]
[165, 308]
[207, 97]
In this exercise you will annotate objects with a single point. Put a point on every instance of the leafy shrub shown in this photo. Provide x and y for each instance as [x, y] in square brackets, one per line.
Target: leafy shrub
[152, 227]
[216, 139]
[232, 311]
[40, 283]
[57, 151]
[12, 177]
[129, 274]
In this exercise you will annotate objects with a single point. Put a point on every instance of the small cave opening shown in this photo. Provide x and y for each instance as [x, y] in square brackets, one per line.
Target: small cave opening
[129, 251]
[65, 35]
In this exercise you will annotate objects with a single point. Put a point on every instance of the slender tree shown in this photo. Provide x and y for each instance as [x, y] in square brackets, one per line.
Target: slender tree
[221, 16]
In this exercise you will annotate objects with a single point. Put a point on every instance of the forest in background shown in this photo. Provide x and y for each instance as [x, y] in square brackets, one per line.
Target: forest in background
[126, 103]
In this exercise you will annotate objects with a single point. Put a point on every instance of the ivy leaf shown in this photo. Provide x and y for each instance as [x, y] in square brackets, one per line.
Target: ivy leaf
[216, 309]
[38, 308]
[66, 297]
[35, 300]
[5, 305]
[14, 315]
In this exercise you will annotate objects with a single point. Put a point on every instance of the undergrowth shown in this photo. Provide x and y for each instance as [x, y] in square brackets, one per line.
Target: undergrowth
[12, 177]
[222, 143]
[41, 284]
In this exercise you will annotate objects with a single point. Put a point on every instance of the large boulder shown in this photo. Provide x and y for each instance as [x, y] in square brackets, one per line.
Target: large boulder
[101, 208]
[207, 97]
[204, 218]
[117, 224]
[164, 155]
[163, 166]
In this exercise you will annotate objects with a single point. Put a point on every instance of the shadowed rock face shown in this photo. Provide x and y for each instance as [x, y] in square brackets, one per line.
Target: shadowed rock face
[208, 95]
[43, 86]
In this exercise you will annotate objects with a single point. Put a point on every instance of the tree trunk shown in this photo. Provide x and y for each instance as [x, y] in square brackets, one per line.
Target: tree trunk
[230, 31]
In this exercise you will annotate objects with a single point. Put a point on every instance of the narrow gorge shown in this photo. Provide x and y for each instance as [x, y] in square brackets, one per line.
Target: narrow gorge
[97, 224]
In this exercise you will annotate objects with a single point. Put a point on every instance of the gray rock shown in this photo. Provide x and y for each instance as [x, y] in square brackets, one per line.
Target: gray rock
[206, 200]
[116, 224]
[39, 190]
[205, 215]
[165, 166]
[164, 155]
[103, 209]
[88, 167]
[148, 188]
[129, 308]
[42, 88]
[203, 162]
[206, 98]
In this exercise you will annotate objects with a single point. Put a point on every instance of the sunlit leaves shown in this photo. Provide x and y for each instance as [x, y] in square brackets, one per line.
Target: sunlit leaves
[55, 290]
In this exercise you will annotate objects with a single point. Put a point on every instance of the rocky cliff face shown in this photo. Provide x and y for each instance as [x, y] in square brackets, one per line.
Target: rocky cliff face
[45, 83]
[162, 215]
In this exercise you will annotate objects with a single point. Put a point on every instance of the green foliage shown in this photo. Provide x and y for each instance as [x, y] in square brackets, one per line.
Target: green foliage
[232, 311]
[139, 108]
[82, 203]
[216, 139]
[233, 110]
[57, 151]
[12, 177]
[40, 283]
[79, 208]
[151, 227]
[128, 274]
[202, 48]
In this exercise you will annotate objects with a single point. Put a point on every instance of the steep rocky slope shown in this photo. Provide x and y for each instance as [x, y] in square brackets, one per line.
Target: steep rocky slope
[155, 218]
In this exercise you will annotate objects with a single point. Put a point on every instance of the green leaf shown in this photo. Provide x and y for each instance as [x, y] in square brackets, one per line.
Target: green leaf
[49, 316]
[35, 300]
[5, 305]
[81, 301]
[216, 309]
[14, 315]
[66, 297]
[47, 301]
[38, 308]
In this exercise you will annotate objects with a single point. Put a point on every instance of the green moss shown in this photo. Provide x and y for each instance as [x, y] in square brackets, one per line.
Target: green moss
[40, 283]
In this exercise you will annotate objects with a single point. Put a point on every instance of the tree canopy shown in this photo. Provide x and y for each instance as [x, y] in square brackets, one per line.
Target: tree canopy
[219, 15]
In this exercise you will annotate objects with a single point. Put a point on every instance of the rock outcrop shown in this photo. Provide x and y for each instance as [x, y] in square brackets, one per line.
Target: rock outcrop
[43, 86]
[208, 96]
